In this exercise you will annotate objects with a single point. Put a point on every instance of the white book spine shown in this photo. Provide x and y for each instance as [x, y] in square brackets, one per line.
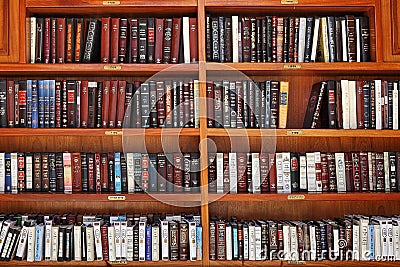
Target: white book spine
[315, 39]
[123, 240]
[77, 243]
[384, 244]
[258, 247]
[395, 106]
[47, 240]
[192, 242]
[358, 38]
[164, 241]
[142, 241]
[111, 243]
[353, 104]
[2, 172]
[30, 255]
[89, 244]
[14, 173]
[302, 38]
[364, 239]
[344, 85]
[336, 243]
[279, 172]
[396, 239]
[294, 247]
[130, 172]
[286, 242]
[97, 240]
[252, 243]
[356, 236]
[28, 173]
[340, 173]
[386, 167]
[235, 38]
[318, 171]
[117, 229]
[377, 241]
[33, 40]
[220, 173]
[378, 104]
[311, 177]
[303, 172]
[186, 39]
[54, 241]
[155, 243]
[344, 40]
[390, 245]
[233, 172]
[286, 173]
[313, 243]
[255, 173]
[129, 243]
[228, 242]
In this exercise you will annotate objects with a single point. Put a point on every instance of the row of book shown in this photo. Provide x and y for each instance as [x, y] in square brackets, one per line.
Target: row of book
[351, 104]
[99, 172]
[288, 172]
[99, 104]
[354, 237]
[274, 38]
[111, 40]
[150, 237]
[247, 104]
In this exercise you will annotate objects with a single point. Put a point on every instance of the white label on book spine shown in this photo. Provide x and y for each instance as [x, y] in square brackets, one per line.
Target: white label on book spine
[286, 172]
[378, 104]
[235, 39]
[228, 242]
[164, 241]
[340, 173]
[117, 229]
[303, 172]
[344, 86]
[2, 172]
[129, 243]
[30, 256]
[155, 243]
[255, 173]
[14, 173]
[252, 243]
[97, 240]
[142, 241]
[311, 176]
[47, 240]
[192, 241]
[123, 240]
[186, 39]
[258, 247]
[89, 244]
[111, 243]
[353, 104]
[220, 173]
[77, 243]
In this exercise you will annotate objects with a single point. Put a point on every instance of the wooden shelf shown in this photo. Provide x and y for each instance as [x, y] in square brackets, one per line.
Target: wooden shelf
[300, 263]
[299, 197]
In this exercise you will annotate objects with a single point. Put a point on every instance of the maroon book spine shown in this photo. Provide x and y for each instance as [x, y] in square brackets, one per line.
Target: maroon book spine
[71, 107]
[112, 112]
[53, 40]
[348, 169]
[246, 38]
[10, 104]
[123, 36]
[167, 40]
[79, 39]
[104, 241]
[210, 105]
[121, 103]
[159, 31]
[178, 179]
[264, 171]
[324, 172]
[360, 104]
[193, 40]
[150, 40]
[106, 103]
[176, 39]
[104, 171]
[332, 171]
[91, 170]
[274, 38]
[364, 173]
[272, 173]
[76, 172]
[133, 29]
[84, 104]
[46, 40]
[61, 36]
[97, 171]
[160, 104]
[105, 40]
[70, 41]
[291, 39]
[114, 40]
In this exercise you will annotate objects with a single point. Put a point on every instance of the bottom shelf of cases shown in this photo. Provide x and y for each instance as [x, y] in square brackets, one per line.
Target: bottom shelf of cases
[306, 263]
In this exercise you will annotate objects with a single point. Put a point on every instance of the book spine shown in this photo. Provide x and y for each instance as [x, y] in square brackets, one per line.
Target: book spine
[123, 44]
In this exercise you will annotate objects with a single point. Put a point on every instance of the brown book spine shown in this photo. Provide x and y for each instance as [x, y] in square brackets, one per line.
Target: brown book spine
[178, 177]
[46, 40]
[380, 172]
[10, 104]
[97, 168]
[325, 172]
[106, 103]
[104, 241]
[220, 240]
[385, 108]
[61, 38]
[291, 38]
[246, 37]
[364, 173]
[176, 39]
[264, 172]
[121, 103]
[134, 35]
[37, 172]
[112, 112]
[91, 103]
[91, 172]
[114, 40]
[70, 40]
[53, 40]
[193, 40]
[183, 241]
[159, 31]
[84, 104]
[123, 36]
[45, 173]
[76, 172]
[104, 171]
[348, 168]
[272, 173]
[105, 40]
[351, 39]
[167, 40]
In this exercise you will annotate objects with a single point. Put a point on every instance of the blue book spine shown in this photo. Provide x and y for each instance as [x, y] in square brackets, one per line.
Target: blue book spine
[235, 242]
[153, 182]
[371, 243]
[149, 241]
[7, 185]
[267, 104]
[41, 109]
[35, 104]
[29, 103]
[199, 242]
[46, 90]
[52, 103]
[117, 172]
[39, 242]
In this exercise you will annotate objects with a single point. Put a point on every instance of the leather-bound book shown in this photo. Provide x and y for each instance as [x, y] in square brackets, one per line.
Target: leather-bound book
[61, 39]
[105, 40]
[176, 39]
[114, 40]
[159, 39]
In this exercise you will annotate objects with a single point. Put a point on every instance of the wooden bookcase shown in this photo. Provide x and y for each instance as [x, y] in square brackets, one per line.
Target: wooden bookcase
[384, 19]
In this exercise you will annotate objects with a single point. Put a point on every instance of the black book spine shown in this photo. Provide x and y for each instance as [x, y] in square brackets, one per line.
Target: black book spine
[262, 88]
[264, 36]
[59, 172]
[338, 40]
[99, 105]
[245, 88]
[249, 173]
[208, 38]
[365, 39]
[92, 45]
[218, 98]
[228, 39]
[253, 40]
[3, 104]
[226, 105]
[332, 38]
[142, 43]
[123, 38]
[232, 101]
[308, 38]
[215, 56]
[150, 40]
[52, 173]
[257, 104]
[221, 34]
[294, 172]
[174, 238]
[39, 40]
[84, 172]
[259, 40]
[286, 39]
[269, 38]
[111, 173]
[195, 172]
[124, 174]
[167, 40]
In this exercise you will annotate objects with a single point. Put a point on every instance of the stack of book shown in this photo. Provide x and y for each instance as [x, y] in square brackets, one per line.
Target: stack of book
[99, 104]
[247, 104]
[351, 104]
[274, 38]
[99, 172]
[111, 40]
[150, 237]
[288, 172]
[354, 237]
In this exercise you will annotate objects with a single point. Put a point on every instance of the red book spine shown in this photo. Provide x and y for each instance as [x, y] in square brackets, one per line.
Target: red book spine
[193, 40]
[71, 96]
[324, 172]
[91, 170]
[46, 40]
[114, 40]
[112, 112]
[167, 40]
[123, 35]
[178, 179]
[105, 40]
[58, 104]
[241, 172]
[360, 104]
[104, 172]
[133, 29]
[76, 172]
[176, 39]
[61, 36]
[84, 104]
[150, 40]
[97, 167]
[106, 103]
[158, 50]
[272, 173]
[10, 103]
[104, 241]
[53, 40]
[70, 40]
[121, 103]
